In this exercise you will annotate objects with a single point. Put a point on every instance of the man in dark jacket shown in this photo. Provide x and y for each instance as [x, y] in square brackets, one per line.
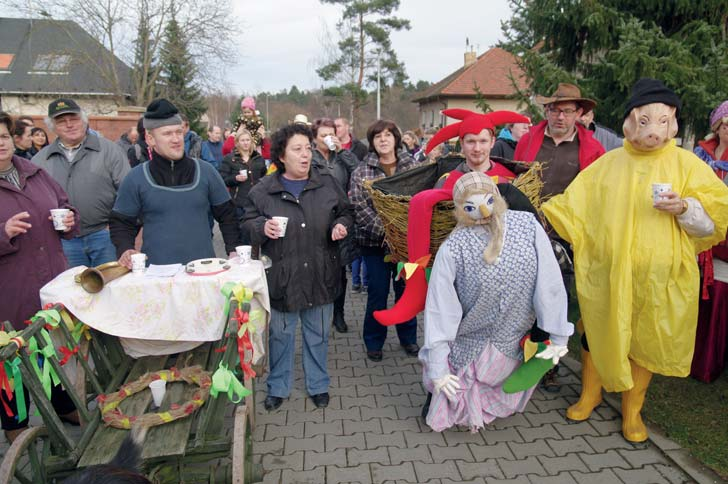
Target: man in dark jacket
[348, 142]
[212, 148]
[193, 141]
[340, 163]
[173, 195]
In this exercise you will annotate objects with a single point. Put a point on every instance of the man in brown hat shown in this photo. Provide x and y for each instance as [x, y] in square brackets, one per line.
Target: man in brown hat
[568, 147]
[560, 140]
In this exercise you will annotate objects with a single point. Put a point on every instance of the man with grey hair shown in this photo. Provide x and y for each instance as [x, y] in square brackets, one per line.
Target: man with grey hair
[90, 170]
[173, 195]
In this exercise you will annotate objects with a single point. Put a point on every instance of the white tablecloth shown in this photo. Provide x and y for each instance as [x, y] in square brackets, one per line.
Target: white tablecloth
[162, 315]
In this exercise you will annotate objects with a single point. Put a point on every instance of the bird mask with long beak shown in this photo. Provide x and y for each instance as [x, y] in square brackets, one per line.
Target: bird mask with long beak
[478, 202]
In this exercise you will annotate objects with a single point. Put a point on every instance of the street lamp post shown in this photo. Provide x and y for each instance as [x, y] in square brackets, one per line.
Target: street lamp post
[379, 95]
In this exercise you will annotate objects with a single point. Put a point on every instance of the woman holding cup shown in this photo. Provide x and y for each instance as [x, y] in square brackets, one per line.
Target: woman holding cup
[297, 215]
[241, 169]
[30, 245]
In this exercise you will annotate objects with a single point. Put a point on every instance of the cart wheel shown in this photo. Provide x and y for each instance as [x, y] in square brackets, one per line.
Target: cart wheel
[23, 462]
[242, 451]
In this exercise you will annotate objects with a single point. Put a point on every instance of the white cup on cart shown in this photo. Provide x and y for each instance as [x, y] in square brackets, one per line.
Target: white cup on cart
[244, 253]
[158, 388]
[138, 263]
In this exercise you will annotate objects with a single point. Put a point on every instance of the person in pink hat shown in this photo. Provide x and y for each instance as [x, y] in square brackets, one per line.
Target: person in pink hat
[248, 120]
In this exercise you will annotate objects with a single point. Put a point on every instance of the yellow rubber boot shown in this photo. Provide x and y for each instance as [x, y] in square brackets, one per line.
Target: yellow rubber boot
[591, 390]
[633, 429]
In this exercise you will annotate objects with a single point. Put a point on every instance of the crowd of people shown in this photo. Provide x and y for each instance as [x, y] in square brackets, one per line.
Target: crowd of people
[162, 183]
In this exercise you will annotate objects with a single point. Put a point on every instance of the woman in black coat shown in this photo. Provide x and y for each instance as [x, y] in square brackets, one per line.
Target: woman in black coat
[241, 169]
[304, 278]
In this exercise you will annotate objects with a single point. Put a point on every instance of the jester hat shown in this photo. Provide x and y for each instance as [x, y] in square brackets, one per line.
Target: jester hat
[420, 214]
[472, 123]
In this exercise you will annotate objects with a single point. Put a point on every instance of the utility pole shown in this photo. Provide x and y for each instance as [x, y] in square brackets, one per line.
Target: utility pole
[267, 118]
[379, 83]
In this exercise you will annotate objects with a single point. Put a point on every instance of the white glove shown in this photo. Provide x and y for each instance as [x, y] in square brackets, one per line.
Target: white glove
[553, 352]
[448, 385]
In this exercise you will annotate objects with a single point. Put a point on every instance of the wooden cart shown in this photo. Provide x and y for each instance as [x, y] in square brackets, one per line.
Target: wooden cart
[194, 449]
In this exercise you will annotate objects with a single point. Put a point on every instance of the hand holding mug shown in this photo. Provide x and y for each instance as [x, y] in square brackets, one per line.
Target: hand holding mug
[125, 258]
[671, 203]
[16, 225]
[271, 229]
[69, 220]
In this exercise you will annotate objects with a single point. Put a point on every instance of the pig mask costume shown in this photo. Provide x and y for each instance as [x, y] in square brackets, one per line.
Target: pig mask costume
[636, 273]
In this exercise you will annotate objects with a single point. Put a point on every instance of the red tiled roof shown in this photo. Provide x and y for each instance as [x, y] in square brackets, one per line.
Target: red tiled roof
[6, 60]
[491, 72]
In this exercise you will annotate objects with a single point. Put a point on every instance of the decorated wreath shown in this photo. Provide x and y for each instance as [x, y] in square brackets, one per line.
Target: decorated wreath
[193, 375]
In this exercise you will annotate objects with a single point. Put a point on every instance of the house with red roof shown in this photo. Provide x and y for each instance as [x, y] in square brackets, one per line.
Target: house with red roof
[495, 73]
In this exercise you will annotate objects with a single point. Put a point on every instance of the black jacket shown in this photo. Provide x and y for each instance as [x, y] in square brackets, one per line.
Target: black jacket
[359, 149]
[306, 271]
[504, 148]
[231, 165]
[340, 165]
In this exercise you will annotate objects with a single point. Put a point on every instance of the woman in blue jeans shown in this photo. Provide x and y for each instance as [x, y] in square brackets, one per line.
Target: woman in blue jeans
[305, 276]
[384, 159]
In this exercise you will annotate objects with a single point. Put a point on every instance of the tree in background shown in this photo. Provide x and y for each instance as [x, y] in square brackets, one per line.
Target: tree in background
[178, 74]
[364, 31]
[605, 46]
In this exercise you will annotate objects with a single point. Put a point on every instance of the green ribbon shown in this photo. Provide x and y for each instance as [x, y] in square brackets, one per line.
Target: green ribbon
[224, 381]
[428, 270]
[51, 316]
[47, 375]
[13, 368]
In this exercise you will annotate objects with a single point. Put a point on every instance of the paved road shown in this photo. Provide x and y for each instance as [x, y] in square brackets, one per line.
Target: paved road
[372, 431]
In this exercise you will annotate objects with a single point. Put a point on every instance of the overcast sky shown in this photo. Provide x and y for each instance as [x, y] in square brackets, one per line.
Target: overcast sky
[281, 41]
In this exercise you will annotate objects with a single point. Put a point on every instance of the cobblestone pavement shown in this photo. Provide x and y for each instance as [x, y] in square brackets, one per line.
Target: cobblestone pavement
[372, 431]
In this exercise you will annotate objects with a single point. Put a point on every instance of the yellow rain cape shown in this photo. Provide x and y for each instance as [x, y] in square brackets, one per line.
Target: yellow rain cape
[636, 272]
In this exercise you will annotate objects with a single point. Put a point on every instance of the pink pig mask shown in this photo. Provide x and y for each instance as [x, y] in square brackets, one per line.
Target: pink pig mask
[651, 126]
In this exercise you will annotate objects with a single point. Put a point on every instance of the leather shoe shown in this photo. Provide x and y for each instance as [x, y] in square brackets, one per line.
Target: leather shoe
[375, 355]
[411, 349]
[340, 324]
[11, 435]
[271, 402]
[356, 288]
[72, 418]
[321, 400]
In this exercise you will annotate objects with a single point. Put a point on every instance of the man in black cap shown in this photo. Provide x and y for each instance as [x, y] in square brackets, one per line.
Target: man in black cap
[90, 169]
[173, 195]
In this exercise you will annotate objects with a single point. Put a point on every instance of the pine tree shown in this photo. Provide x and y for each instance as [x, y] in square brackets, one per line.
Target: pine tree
[365, 28]
[605, 46]
[178, 74]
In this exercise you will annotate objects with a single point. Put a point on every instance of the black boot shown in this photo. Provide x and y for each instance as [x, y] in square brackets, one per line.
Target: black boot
[339, 323]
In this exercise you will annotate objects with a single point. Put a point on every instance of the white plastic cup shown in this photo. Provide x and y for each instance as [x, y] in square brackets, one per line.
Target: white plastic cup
[138, 263]
[244, 253]
[58, 214]
[282, 224]
[658, 189]
[243, 172]
[158, 388]
[329, 142]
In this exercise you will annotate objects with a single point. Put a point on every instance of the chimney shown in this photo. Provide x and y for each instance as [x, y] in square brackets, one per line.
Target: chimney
[470, 58]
